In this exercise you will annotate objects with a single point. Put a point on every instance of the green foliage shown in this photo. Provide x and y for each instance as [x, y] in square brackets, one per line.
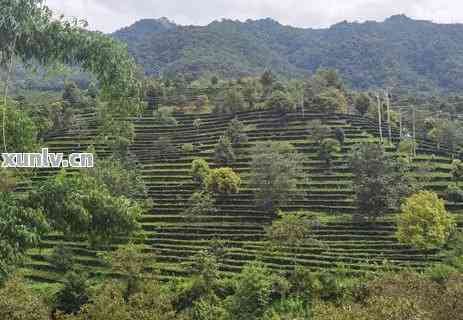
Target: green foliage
[71, 94]
[291, 230]
[424, 222]
[407, 147]
[197, 123]
[332, 100]
[80, 205]
[276, 169]
[18, 302]
[340, 135]
[199, 204]
[20, 130]
[223, 151]
[379, 181]
[235, 132]
[117, 135]
[199, 171]
[454, 193]
[119, 178]
[281, 102]
[132, 263]
[457, 169]
[362, 103]
[164, 146]
[62, 258]
[223, 181]
[318, 131]
[447, 133]
[74, 294]
[163, 116]
[21, 228]
[188, 148]
[8, 180]
[231, 101]
[252, 91]
[108, 302]
[252, 293]
[232, 49]
[328, 149]
[30, 31]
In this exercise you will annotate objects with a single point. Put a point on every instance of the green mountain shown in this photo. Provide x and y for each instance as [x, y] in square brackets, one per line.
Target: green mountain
[418, 55]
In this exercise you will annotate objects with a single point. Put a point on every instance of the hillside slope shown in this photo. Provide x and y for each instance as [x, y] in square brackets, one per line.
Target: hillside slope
[418, 55]
[238, 221]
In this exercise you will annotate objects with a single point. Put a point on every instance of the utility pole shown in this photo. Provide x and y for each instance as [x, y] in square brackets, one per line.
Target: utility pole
[388, 104]
[414, 130]
[400, 123]
[302, 104]
[380, 127]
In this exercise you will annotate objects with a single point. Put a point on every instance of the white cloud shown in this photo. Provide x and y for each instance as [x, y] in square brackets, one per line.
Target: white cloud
[109, 15]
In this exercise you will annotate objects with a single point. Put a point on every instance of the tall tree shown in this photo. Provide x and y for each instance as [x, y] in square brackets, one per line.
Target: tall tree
[379, 181]
[276, 169]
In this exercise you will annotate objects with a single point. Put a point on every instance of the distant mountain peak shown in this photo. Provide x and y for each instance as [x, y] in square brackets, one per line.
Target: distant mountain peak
[399, 18]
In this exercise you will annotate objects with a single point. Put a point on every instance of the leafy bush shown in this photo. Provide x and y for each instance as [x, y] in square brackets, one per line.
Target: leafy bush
[454, 193]
[163, 116]
[199, 204]
[424, 222]
[281, 102]
[457, 169]
[188, 147]
[223, 181]
[62, 258]
[340, 135]
[235, 132]
[223, 152]
[199, 171]
[318, 131]
[328, 148]
[252, 291]
[74, 294]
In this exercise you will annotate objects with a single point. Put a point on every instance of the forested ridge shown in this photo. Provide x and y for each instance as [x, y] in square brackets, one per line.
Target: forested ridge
[399, 52]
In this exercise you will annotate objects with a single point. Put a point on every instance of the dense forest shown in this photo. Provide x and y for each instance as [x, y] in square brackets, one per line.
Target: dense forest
[400, 52]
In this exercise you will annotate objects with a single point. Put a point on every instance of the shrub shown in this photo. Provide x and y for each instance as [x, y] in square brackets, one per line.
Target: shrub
[235, 132]
[318, 130]
[454, 193]
[223, 152]
[199, 171]
[223, 181]
[200, 203]
[188, 147]
[457, 169]
[74, 294]
[340, 135]
[18, 302]
[281, 102]
[332, 100]
[328, 148]
[424, 223]
[163, 116]
[62, 258]
[232, 101]
[252, 293]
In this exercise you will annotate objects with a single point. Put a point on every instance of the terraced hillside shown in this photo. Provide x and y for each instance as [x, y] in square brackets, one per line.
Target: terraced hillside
[176, 239]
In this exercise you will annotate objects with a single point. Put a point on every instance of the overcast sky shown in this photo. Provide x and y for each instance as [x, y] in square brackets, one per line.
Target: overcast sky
[110, 15]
